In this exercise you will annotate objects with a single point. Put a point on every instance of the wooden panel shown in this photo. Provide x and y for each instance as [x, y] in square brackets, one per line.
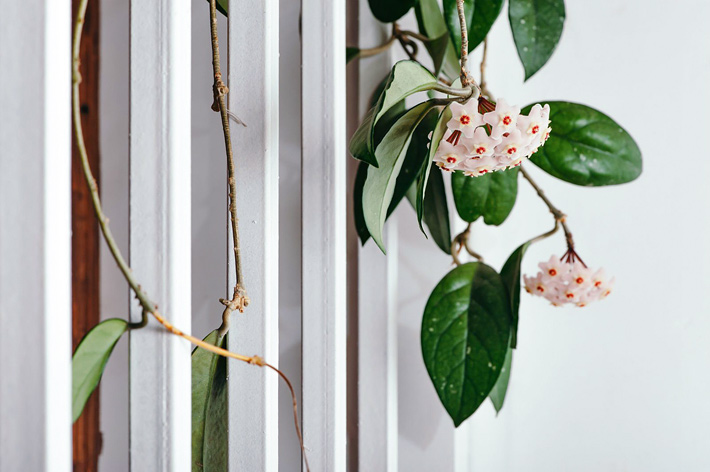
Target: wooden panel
[254, 97]
[85, 236]
[35, 236]
[160, 247]
[324, 300]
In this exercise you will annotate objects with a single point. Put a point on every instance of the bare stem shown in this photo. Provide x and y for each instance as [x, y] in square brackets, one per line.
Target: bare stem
[483, 84]
[239, 297]
[559, 216]
[465, 93]
[146, 303]
[465, 77]
[461, 242]
[378, 49]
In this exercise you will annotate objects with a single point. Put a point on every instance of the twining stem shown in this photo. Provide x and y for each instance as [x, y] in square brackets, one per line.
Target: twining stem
[465, 77]
[559, 216]
[239, 296]
[461, 242]
[146, 303]
[483, 84]
[397, 34]
[378, 49]
[465, 93]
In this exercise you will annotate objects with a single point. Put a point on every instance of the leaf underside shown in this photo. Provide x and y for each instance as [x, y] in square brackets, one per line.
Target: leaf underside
[491, 196]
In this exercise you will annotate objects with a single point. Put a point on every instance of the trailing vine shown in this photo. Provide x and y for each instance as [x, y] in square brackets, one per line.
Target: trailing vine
[470, 322]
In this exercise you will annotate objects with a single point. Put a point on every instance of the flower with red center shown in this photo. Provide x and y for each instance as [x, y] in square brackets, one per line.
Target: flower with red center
[567, 280]
[448, 156]
[480, 144]
[503, 119]
[512, 147]
[465, 117]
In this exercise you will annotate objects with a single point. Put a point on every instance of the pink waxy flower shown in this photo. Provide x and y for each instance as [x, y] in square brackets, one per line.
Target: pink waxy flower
[465, 117]
[503, 119]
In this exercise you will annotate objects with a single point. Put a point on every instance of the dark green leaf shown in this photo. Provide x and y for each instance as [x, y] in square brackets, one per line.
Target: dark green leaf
[204, 365]
[537, 27]
[511, 276]
[501, 387]
[451, 15]
[485, 14]
[465, 337]
[422, 181]
[90, 359]
[491, 195]
[586, 147]
[216, 448]
[406, 78]
[222, 6]
[435, 210]
[388, 11]
[379, 185]
[416, 154]
[351, 53]
[440, 47]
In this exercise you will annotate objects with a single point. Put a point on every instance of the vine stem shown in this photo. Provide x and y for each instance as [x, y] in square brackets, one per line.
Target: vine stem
[465, 77]
[461, 242]
[146, 303]
[483, 84]
[239, 296]
[560, 217]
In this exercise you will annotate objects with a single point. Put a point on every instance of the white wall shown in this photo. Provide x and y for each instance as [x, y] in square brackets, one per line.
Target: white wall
[622, 384]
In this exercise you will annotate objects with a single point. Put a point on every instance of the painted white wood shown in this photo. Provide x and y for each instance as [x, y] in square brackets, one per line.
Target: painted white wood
[253, 96]
[160, 243]
[377, 321]
[324, 310]
[35, 235]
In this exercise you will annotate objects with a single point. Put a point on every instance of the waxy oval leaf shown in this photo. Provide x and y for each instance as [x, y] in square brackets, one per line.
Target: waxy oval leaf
[435, 211]
[511, 277]
[406, 78]
[588, 148]
[491, 195]
[441, 49]
[465, 337]
[388, 11]
[90, 359]
[500, 389]
[537, 27]
[216, 434]
[422, 182]
[379, 185]
[204, 366]
[485, 13]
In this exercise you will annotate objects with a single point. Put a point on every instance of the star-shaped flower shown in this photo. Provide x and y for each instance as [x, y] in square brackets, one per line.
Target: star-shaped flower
[465, 117]
[503, 119]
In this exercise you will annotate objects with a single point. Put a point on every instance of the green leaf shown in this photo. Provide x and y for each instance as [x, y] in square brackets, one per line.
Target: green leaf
[90, 359]
[216, 447]
[485, 14]
[416, 154]
[490, 195]
[440, 47]
[388, 11]
[406, 78]
[588, 148]
[351, 53]
[222, 6]
[451, 15]
[379, 185]
[204, 365]
[497, 395]
[435, 210]
[511, 277]
[465, 336]
[537, 27]
[422, 181]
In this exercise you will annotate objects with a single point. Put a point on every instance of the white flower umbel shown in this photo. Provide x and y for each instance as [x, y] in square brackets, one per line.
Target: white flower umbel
[567, 280]
[501, 138]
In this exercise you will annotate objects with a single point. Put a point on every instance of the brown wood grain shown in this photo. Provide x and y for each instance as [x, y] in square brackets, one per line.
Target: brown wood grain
[85, 237]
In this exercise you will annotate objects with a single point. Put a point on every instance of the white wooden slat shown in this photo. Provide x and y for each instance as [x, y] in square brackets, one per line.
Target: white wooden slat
[160, 400]
[377, 282]
[253, 96]
[323, 196]
[35, 235]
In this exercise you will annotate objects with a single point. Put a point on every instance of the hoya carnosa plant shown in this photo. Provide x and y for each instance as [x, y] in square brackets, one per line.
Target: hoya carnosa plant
[408, 146]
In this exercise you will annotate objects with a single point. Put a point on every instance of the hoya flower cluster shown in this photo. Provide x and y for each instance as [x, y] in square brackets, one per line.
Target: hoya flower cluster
[477, 143]
[568, 282]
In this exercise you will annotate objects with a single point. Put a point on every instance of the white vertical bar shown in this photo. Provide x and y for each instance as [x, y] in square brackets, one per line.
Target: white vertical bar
[35, 235]
[323, 232]
[377, 283]
[253, 96]
[160, 232]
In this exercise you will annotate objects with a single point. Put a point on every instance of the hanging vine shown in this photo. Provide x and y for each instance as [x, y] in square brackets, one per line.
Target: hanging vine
[470, 322]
